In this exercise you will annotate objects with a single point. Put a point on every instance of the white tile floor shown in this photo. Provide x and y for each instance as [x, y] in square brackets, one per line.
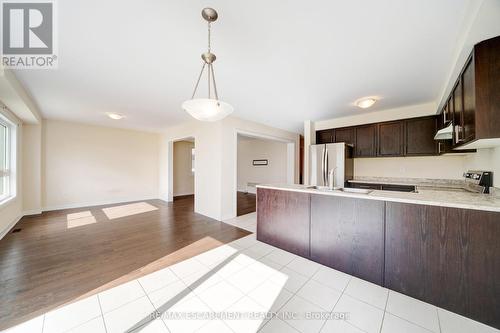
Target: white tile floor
[249, 286]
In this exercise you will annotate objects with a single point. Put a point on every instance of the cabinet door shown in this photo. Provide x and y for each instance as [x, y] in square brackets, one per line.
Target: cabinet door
[391, 139]
[448, 257]
[345, 135]
[469, 104]
[457, 113]
[420, 136]
[283, 220]
[366, 141]
[324, 136]
[348, 235]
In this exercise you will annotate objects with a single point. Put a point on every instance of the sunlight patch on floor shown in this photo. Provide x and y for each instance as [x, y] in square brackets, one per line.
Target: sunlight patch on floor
[80, 219]
[128, 210]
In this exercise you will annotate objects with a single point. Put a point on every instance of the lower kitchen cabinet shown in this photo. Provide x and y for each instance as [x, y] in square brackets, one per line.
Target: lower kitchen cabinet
[348, 235]
[283, 220]
[448, 257]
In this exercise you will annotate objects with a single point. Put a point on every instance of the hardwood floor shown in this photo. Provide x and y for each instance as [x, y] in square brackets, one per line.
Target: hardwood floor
[47, 264]
[246, 203]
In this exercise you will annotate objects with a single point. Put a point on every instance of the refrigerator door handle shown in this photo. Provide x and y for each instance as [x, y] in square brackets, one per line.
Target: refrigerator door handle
[326, 166]
[323, 164]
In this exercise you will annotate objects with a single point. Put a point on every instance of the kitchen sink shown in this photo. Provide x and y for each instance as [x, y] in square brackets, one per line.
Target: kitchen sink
[355, 190]
[344, 189]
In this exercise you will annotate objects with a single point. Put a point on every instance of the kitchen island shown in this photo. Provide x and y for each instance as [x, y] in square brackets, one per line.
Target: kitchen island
[441, 247]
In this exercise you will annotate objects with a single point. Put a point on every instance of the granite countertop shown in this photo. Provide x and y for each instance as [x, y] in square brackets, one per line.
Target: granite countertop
[433, 197]
[419, 182]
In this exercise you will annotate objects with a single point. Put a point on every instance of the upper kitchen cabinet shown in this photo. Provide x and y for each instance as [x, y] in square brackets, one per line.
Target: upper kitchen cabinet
[468, 101]
[391, 138]
[476, 98]
[420, 136]
[366, 141]
[324, 136]
[345, 134]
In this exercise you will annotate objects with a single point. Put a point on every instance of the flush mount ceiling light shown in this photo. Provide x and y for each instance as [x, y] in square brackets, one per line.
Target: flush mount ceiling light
[115, 116]
[365, 103]
[211, 108]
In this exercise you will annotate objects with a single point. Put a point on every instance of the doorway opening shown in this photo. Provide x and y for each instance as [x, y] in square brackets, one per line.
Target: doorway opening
[261, 160]
[184, 169]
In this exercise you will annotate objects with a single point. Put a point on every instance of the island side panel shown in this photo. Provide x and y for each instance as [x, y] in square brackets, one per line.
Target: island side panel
[283, 220]
[448, 257]
[348, 235]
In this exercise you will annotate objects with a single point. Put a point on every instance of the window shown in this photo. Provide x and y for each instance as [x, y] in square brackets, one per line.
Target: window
[7, 141]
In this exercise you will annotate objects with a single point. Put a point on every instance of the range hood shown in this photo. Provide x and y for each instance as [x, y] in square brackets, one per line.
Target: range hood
[445, 133]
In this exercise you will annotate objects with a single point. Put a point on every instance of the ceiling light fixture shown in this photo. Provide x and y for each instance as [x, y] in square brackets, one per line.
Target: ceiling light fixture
[365, 103]
[115, 116]
[208, 109]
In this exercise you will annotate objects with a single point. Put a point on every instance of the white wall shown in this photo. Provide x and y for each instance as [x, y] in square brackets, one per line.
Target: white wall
[216, 161]
[183, 176]
[207, 136]
[410, 111]
[91, 165]
[250, 149]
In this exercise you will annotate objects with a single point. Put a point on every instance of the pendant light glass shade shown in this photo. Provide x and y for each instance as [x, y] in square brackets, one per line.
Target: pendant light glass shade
[207, 109]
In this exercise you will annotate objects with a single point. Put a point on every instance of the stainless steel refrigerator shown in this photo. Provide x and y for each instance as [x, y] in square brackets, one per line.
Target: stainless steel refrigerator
[325, 157]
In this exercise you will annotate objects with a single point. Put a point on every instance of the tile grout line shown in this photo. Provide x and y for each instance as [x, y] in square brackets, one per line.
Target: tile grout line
[154, 307]
[43, 322]
[385, 311]
[439, 320]
[102, 313]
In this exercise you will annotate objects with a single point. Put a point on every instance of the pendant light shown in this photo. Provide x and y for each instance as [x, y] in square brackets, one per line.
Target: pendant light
[211, 108]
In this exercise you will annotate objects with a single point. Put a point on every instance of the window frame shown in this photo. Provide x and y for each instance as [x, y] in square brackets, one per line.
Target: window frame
[9, 173]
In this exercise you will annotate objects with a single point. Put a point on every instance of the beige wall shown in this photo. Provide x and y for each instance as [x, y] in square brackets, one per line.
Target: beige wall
[437, 167]
[183, 176]
[32, 169]
[88, 165]
[254, 149]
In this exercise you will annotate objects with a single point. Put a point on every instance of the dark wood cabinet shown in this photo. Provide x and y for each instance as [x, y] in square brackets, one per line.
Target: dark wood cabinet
[419, 138]
[324, 136]
[345, 134]
[366, 141]
[456, 99]
[348, 235]
[469, 101]
[448, 257]
[390, 138]
[279, 224]
[475, 99]
[407, 137]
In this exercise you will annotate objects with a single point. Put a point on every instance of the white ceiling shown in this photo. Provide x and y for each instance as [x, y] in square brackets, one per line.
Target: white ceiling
[278, 62]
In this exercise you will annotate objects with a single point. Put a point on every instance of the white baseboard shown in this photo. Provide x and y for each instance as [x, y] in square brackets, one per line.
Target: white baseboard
[32, 212]
[96, 203]
[9, 227]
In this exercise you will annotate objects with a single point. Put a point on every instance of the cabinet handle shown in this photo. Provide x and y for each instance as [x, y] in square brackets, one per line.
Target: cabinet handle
[457, 133]
[439, 147]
